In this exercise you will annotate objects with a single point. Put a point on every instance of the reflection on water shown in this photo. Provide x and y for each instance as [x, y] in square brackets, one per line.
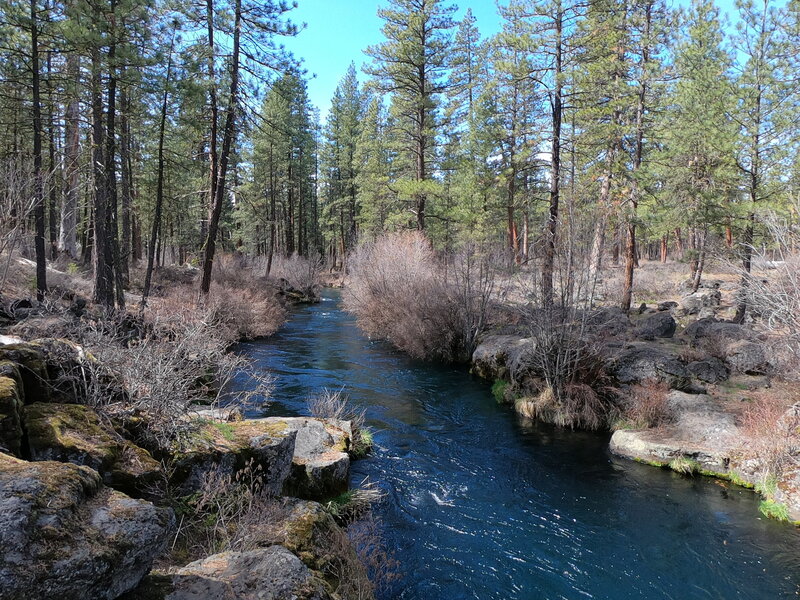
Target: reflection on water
[481, 505]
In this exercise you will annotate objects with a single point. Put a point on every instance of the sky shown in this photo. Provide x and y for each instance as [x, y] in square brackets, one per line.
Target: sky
[338, 31]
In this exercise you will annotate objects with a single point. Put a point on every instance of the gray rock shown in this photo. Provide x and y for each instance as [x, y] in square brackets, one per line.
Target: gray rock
[701, 431]
[747, 357]
[662, 306]
[271, 573]
[658, 325]
[608, 321]
[710, 327]
[639, 362]
[65, 536]
[490, 359]
[230, 447]
[694, 303]
[709, 370]
[321, 464]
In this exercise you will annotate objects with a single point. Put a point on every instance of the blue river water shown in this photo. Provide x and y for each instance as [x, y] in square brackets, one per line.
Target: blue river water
[482, 505]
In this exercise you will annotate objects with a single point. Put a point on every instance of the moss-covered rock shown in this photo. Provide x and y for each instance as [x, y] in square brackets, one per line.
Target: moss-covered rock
[66, 536]
[230, 447]
[30, 362]
[321, 463]
[10, 415]
[74, 433]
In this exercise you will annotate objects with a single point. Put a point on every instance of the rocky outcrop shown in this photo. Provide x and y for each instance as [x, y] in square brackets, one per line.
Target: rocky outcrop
[271, 573]
[321, 464]
[607, 322]
[231, 447]
[747, 357]
[708, 370]
[66, 536]
[702, 432]
[638, 362]
[11, 401]
[74, 433]
[492, 357]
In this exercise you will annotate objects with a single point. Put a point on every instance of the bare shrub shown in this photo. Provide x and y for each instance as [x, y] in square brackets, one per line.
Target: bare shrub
[773, 294]
[330, 404]
[772, 433]
[302, 274]
[645, 405]
[713, 345]
[374, 569]
[217, 517]
[399, 291]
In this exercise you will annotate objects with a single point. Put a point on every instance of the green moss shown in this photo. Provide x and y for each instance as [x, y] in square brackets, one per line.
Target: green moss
[499, 388]
[774, 510]
[652, 463]
[685, 466]
[736, 479]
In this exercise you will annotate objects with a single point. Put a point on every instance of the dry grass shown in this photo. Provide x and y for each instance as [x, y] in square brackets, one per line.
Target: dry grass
[772, 433]
[645, 405]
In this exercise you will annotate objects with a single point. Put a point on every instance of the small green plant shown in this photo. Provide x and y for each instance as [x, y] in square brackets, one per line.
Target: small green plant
[767, 486]
[362, 442]
[226, 429]
[73, 268]
[684, 466]
[774, 510]
[499, 390]
[352, 504]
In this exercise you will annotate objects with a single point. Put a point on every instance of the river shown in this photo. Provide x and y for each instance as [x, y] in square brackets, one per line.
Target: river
[481, 505]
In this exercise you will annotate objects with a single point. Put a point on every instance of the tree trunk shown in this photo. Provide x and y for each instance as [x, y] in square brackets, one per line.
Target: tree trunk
[69, 209]
[126, 182]
[162, 126]
[52, 219]
[38, 190]
[227, 143]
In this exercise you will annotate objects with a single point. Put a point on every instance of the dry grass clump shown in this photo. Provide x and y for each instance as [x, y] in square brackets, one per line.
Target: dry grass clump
[645, 405]
[399, 291]
[772, 435]
[335, 405]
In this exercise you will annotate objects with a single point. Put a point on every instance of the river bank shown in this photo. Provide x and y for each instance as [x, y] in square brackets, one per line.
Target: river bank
[723, 412]
[481, 503]
[119, 480]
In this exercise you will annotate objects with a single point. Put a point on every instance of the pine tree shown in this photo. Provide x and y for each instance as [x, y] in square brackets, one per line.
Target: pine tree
[411, 65]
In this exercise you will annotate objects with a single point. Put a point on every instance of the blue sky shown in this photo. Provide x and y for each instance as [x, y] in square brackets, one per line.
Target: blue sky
[338, 31]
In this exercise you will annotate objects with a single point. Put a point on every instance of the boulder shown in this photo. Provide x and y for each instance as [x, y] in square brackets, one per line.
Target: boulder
[708, 370]
[11, 400]
[66, 536]
[694, 303]
[321, 464]
[230, 447]
[723, 330]
[658, 325]
[608, 321]
[747, 357]
[640, 362]
[271, 573]
[669, 305]
[74, 433]
[701, 431]
[490, 358]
